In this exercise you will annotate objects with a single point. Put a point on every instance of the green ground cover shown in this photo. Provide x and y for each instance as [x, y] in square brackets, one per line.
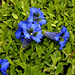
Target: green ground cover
[43, 58]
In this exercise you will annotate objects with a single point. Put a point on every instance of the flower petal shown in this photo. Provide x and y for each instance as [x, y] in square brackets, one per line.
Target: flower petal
[22, 23]
[33, 10]
[1, 61]
[51, 35]
[30, 18]
[62, 43]
[60, 48]
[64, 29]
[36, 39]
[58, 36]
[26, 42]
[4, 66]
[39, 35]
[42, 22]
[22, 38]
[27, 35]
[18, 33]
[66, 39]
[41, 15]
[33, 26]
[3, 72]
[38, 10]
[5, 60]
[66, 35]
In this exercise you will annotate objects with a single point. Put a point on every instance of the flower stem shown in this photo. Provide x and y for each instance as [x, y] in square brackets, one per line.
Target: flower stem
[43, 31]
[72, 54]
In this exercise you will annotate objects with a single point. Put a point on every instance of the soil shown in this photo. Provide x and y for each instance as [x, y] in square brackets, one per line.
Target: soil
[0, 2]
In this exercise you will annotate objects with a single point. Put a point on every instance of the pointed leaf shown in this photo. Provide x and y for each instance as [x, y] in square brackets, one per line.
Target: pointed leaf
[59, 68]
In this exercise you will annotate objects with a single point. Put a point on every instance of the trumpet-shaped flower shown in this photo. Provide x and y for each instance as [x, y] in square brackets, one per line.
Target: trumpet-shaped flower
[58, 36]
[51, 35]
[26, 42]
[29, 31]
[37, 16]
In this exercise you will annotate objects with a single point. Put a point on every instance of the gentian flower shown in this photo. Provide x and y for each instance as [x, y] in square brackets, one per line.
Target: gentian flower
[28, 32]
[4, 66]
[58, 36]
[26, 42]
[51, 35]
[19, 32]
[37, 16]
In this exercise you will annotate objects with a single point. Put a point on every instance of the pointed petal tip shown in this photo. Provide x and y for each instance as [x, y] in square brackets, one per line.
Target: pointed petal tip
[64, 29]
[5, 66]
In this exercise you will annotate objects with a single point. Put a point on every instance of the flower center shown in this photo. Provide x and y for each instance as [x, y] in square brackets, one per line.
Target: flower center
[62, 34]
[61, 39]
[36, 17]
[35, 34]
[31, 33]
[30, 30]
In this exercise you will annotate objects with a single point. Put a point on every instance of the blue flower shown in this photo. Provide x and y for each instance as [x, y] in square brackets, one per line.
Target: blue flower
[37, 16]
[51, 35]
[26, 42]
[63, 34]
[58, 36]
[31, 31]
[4, 66]
[19, 33]
[1, 61]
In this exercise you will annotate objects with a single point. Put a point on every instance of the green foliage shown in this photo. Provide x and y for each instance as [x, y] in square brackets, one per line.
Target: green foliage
[59, 68]
[43, 58]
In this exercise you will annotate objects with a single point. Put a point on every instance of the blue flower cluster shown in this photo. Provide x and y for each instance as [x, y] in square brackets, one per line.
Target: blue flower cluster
[31, 28]
[4, 66]
[58, 36]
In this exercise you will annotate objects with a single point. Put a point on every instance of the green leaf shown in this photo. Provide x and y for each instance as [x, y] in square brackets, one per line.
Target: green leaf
[27, 70]
[70, 71]
[59, 68]
[23, 57]
[14, 1]
[73, 64]
[39, 50]
[10, 61]
[51, 49]
[15, 15]
[8, 23]
[56, 57]
[46, 42]
[37, 60]
[23, 65]
[12, 70]
[32, 70]
[71, 37]
[3, 3]
[33, 3]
